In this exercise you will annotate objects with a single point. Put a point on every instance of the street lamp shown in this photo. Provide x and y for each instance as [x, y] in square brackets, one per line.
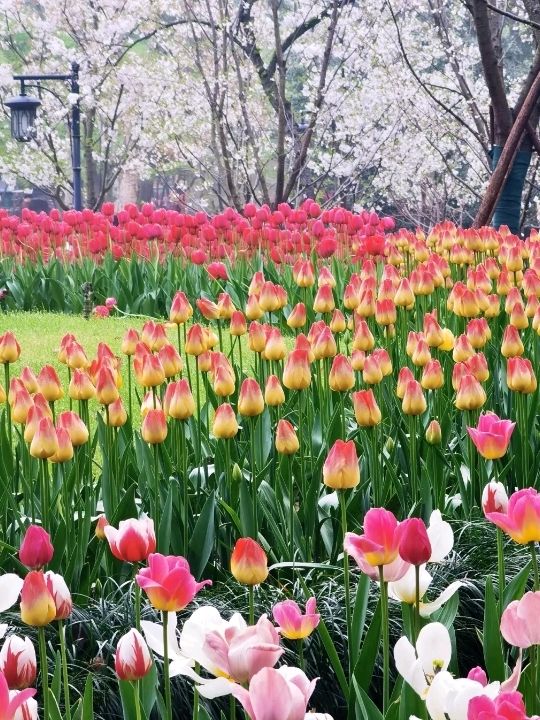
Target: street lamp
[23, 116]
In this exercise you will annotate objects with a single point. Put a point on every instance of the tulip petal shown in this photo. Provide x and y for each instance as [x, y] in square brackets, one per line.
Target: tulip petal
[434, 648]
[10, 589]
[427, 609]
[441, 537]
[216, 687]
[408, 666]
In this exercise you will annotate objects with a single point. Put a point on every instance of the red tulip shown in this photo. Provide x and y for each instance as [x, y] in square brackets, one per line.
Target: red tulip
[36, 548]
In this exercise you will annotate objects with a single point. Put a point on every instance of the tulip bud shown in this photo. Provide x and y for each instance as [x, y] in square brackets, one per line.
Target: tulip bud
[366, 409]
[18, 662]
[129, 341]
[170, 360]
[414, 402]
[297, 373]
[511, 345]
[275, 348]
[106, 389]
[64, 453]
[36, 549]
[154, 427]
[478, 674]
[324, 300]
[372, 373]
[181, 309]
[286, 439]
[117, 415]
[273, 392]
[341, 469]
[178, 401]
[57, 587]
[325, 344]
[101, 524]
[338, 324]
[414, 545]
[195, 341]
[238, 324]
[37, 603]
[249, 564]
[341, 374]
[250, 399]
[150, 372]
[404, 378]
[520, 375]
[434, 433]
[470, 395]
[81, 386]
[49, 384]
[20, 407]
[432, 376]
[225, 425]
[448, 340]
[494, 498]
[76, 429]
[132, 660]
[253, 310]
[45, 442]
[10, 350]
[257, 337]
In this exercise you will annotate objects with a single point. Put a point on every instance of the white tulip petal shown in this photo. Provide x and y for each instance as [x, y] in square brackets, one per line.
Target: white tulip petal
[434, 648]
[457, 702]
[436, 699]
[427, 609]
[216, 687]
[183, 666]
[153, 634]
[404, 590]
[10, 589]
[204, 620]
[441, 537]
[408, 666]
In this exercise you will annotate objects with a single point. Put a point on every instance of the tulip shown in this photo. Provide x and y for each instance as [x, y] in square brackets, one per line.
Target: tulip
[275, 348]
[511, 345]
[168, 582]
[178, 400]
[132, 660]
[405, 376]
[10, 350]
[521, 521]
[288, 687]
[378, 546]
[225, 425]
[81, 386]
[324, 345]
[297, 373]
[372, 373]
[150, 371]
[14, 705]
[75, 356]
[181, 310]
[492, 436]
[195, 341]
[506, 706]
[49, 384]
[470, 395]
[29, 379]
[478, 367]
[74, 426]
[519, 621]
[341, 469]
[273, 392]
[18, 662]
[154, 427]
[494, 498]
[238, 324]
[253, 310]
[249, 565]
[520, 376]
[366, 409]
[414, 544]
[64, 453]
[37, 603]
[250, 399]
[106, 388]
[170, 360]
[448, 340]
[117, 415]
[287, 442]
[432, 376]
[434, 433]
[59, 591]
[129, 342]
[153, 335]
[101, 524]
[226, 306]
[45, 442]
[341, 376]
[363, 338]
[324, 300]
[20, 407]
[414, 402]
[292, 624]
[133, 541]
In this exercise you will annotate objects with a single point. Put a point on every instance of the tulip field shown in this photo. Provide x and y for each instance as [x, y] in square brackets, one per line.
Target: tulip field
[267, 465]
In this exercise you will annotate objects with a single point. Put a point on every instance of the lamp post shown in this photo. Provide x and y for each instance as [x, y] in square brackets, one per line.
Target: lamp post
[23, 116]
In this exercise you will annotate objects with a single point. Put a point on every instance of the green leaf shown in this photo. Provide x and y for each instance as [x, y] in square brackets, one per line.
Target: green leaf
[363, 669]
[359, 616]
[365, 708]
[164, 530]
[202, 539]
[493, 651]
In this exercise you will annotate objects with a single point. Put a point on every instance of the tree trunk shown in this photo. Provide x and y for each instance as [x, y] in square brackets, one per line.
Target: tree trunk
[128, 188]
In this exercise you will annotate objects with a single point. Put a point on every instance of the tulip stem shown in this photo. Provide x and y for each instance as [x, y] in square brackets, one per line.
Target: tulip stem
[241, 363]
[385, 639]
[130, 392]
[136, 695]
[67, 701]
[412, 457]
[45, 495]
[254, 499]
[156, 487]
[137, 592]
[166, 679]
[232, 708]
[535, 566]
[301, 662]
[416, 603]
[251, 600]
[8, 406]
[184, 480]
[346, 580]
[44, 672]
[500, 567]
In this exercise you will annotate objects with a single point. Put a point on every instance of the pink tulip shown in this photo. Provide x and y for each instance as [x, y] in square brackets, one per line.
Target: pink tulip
[522, 518]
[133, 541]
[242, 652]
[18, 662]
[519, 622]
[36, 548]
[492, 435]
[10, 703]
[168, 582]
[281, 694]
[292, 624]
[378, 546]
[506, 706]
[479, 675]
